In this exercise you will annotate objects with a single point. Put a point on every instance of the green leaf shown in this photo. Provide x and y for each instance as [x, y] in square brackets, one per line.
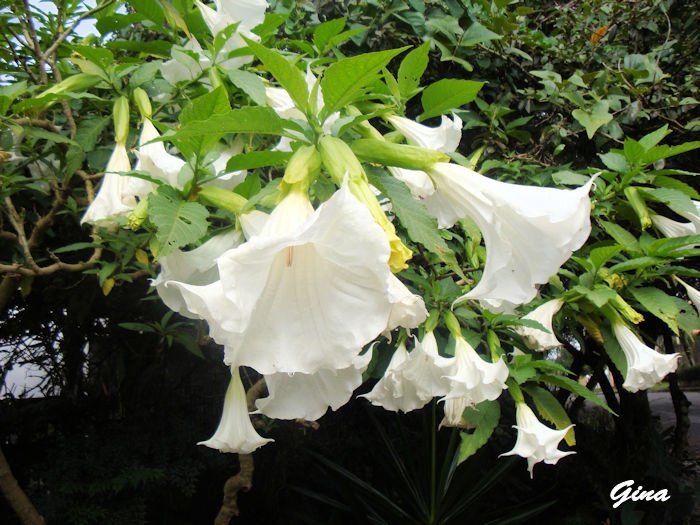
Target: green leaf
[551, 410]
[251, 84]
[286, 73]
[178, 222]
[249, 119]
[650, 140]
[622, 236]
[599, 295]
[347, 79]
[257, 159]
[9, 93]
[659, 304]
[615, 161]
[677, 200]
[201, 108]
[447, 94]
[323, 33]
[678, 185]
[593, 118]
[484, 417]
[48, 135]
[576, 388]
[477, 34]
[599, 256]
[411, 70]
[637, 263]
[414, 216]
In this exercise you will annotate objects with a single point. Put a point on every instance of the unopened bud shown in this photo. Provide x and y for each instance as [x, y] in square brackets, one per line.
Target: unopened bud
[399, 155]
[121, 120]
[221, 198]
[638, 205]
[303, 167]
[339, 160]
[138, 215]
[143, 103]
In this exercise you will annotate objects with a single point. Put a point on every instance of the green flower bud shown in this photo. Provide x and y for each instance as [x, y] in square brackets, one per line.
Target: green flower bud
[452, 323]
[624, 308]
[399, 155]
[303, 167]
[138, 215]
[143, 103]
[73, 84]
[339, 160]
[638, 205]
[221, 198]
[121, 120]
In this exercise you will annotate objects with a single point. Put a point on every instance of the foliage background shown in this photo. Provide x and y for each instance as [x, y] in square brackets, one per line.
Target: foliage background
[112, 440]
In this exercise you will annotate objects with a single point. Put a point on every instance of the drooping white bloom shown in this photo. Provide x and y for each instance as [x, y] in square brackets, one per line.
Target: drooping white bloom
[195, 267]
[116, 196]
[223, 153]
[308, 396]
[155, 160]
[312, 280]
[471, 378]
[536, 442]
[534, 337]
[235, 432]
[670, 228]
[444, 138]
[412, 379]
[645, 366]
[529, 231]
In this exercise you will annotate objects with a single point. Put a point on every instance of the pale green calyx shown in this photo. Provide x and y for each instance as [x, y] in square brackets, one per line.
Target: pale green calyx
[302, 169]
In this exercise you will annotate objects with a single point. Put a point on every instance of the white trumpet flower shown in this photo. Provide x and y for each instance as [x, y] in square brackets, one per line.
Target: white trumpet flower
[118, 194]
[412, 379]
[536, 338]
[471, 378]
[155, 160]
[536, 442]
[645, 366]
[235, 432]
[312, 280]
[529, 231]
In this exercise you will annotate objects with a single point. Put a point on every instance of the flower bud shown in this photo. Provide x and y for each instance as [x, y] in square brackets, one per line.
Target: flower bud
[221, 198]
[143, 103]
[638, 205]
[452, 323]
[339, 160]
[398, 155]
[74, 83]
[135, 218]
[121, 120]
[624, 308]
[303, 167]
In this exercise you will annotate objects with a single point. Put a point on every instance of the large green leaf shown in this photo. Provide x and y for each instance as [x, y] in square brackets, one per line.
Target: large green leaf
[575, 388]
[287, 74]
[411, 70]
[347, 79]
[178, 222]
[484, 417]
[659, 304]
[447, 94]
